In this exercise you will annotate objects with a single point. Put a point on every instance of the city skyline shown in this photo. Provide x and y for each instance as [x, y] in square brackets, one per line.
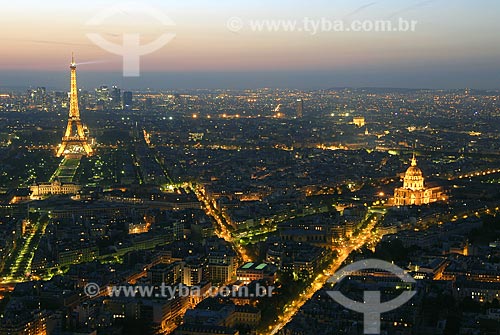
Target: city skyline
[189, 204]
[453, 45]
[250, 168]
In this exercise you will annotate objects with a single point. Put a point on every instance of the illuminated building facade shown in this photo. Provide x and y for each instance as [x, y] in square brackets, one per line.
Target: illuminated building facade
[192, 274]
[414, 191]
[54, 188]
[23, 324]
[254, 271]
[221, 266]
[359, 121]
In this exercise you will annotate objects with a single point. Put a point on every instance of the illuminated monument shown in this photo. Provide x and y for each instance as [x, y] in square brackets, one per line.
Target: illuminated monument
[414, 191]
[74, 140]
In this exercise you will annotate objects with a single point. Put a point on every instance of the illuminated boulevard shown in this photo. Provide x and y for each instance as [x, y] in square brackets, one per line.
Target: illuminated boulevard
[221, 229]
[365, 236]
[23, 254]
[362, 238]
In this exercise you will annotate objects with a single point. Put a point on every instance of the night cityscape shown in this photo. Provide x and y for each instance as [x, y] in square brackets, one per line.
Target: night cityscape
[135, 207]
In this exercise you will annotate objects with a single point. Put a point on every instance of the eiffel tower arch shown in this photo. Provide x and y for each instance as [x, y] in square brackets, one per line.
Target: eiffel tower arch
[74, 139]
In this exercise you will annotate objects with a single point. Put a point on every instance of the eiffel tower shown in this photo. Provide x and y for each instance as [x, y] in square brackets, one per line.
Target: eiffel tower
[74, 139]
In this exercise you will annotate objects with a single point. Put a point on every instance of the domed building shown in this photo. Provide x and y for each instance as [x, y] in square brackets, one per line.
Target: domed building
[414, 191]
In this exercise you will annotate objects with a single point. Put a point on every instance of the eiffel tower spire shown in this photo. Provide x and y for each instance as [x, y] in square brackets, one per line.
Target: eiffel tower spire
[71, 139]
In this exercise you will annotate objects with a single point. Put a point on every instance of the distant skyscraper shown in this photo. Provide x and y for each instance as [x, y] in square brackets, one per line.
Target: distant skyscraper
[127, 99]
[300, 108]
[38, 97]
[116, 97]
[102, 93]
[102, 97]
[148, 103]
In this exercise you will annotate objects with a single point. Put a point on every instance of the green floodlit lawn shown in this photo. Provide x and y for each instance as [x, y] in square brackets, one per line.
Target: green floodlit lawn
[70, 163]
[67, 170]
[66, 173]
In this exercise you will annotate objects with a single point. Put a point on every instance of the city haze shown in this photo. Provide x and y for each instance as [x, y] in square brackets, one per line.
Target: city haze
[454, 44]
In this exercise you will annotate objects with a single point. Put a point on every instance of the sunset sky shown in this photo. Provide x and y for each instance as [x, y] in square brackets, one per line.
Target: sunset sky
[455, 45]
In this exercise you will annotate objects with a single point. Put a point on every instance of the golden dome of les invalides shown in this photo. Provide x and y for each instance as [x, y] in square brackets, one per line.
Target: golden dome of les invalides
[414, 191]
